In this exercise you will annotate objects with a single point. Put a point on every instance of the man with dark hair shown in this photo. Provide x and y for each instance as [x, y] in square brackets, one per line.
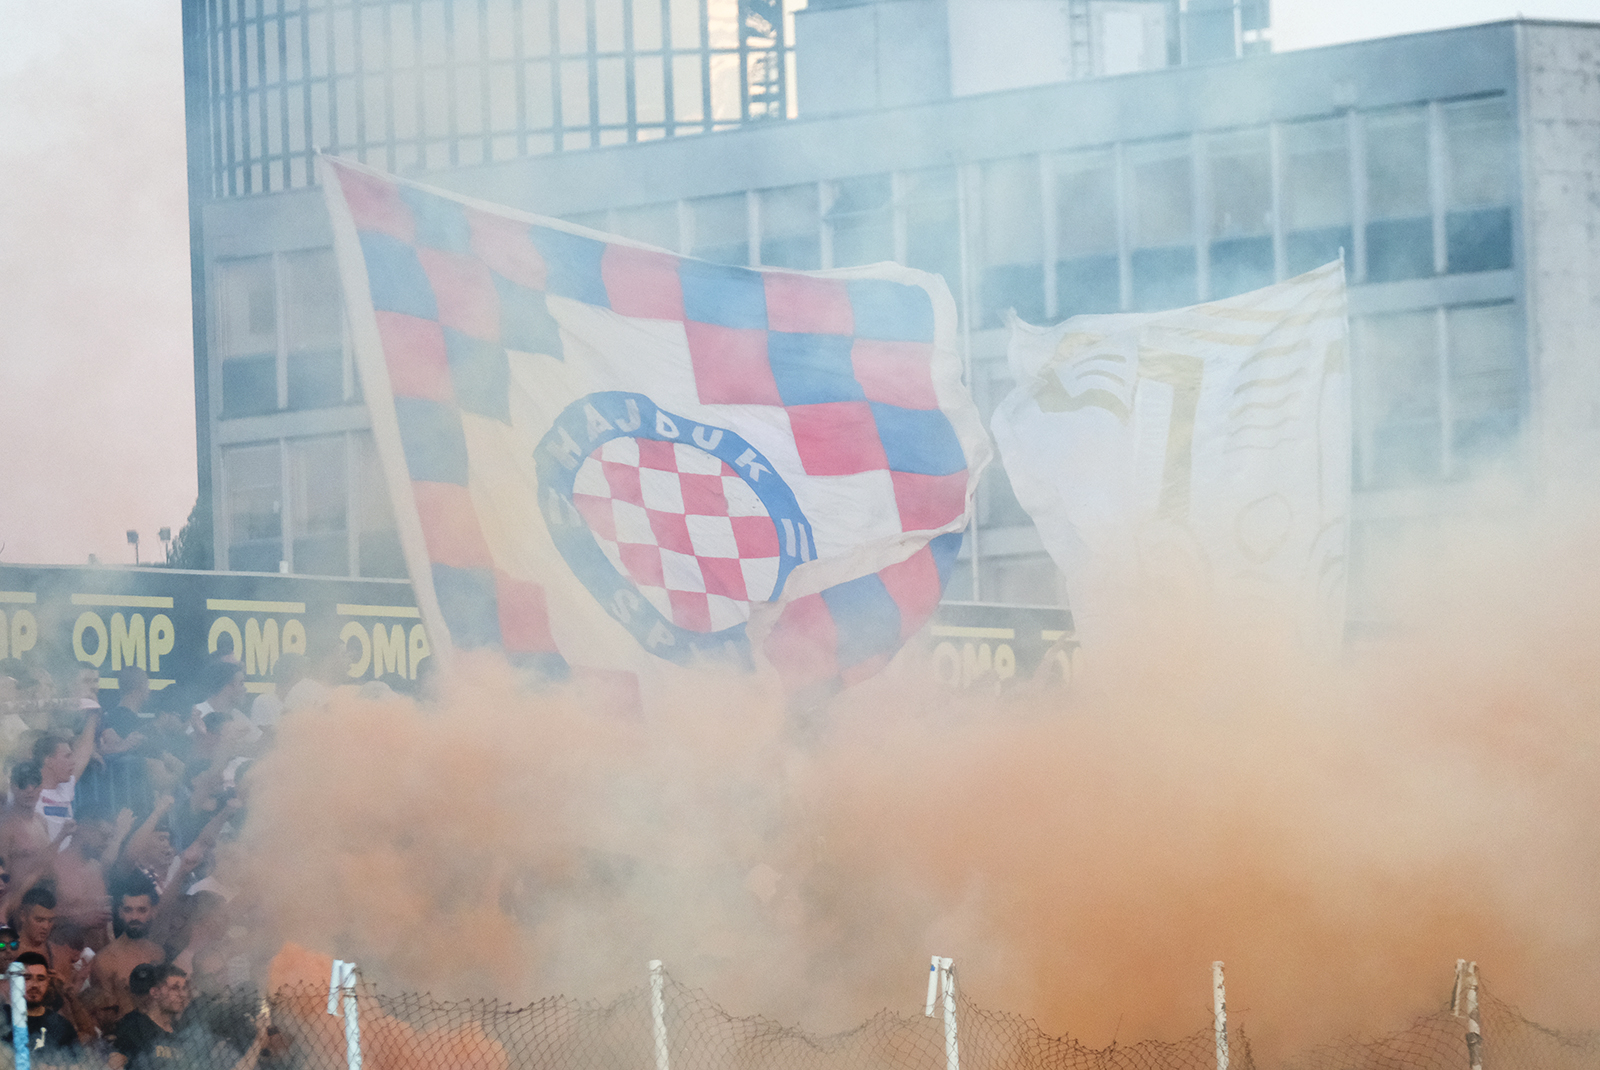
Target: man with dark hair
[222, 682]
[35, 921]
[133, 907]
[48, 1030]
[61, 763]
[120, 727]
[23, 833]
[164, 992]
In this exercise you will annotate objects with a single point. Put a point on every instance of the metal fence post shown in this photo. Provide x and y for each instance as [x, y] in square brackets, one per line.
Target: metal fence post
[1219, 1005]
[658, 1012]
[342, 1000]
[942, 977]
[19, 1015]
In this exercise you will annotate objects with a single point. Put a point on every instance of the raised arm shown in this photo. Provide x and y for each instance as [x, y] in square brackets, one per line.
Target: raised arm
[83, 746]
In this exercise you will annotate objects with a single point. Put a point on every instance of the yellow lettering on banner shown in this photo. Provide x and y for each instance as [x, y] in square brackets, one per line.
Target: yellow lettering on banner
[388, 650]
[294, 637]
[976, 660]
[972, 662]
[353, 630]
[162, 637]
[220, 625]
[24, 632]
[90, 622]
[260, 646]
[419, 647]
[127, 641]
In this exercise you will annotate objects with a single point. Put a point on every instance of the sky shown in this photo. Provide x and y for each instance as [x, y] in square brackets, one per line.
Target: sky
[96, 381]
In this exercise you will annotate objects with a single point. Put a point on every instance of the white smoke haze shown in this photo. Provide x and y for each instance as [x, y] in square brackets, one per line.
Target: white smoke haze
[1339, 835]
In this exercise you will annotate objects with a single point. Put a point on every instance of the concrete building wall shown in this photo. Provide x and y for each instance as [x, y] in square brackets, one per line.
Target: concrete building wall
[1560, 119]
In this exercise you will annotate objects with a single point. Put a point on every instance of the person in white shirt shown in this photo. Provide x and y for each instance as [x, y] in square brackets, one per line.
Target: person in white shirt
[269, 705]
[61, 763]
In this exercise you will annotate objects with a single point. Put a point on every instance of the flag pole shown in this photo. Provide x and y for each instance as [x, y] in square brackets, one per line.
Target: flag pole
[962, 248]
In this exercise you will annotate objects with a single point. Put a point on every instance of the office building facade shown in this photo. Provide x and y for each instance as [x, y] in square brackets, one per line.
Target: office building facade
[1454, 171]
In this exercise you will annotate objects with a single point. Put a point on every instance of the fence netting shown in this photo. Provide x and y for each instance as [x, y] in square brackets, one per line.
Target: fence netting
[414, 1032]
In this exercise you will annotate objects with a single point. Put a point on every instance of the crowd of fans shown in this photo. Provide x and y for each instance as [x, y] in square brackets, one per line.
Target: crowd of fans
[118, 863]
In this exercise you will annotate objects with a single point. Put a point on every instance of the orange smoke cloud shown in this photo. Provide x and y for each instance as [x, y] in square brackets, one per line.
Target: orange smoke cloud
[1338, 835]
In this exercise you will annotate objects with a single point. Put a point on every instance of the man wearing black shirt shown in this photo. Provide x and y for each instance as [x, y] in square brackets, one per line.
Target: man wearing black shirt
[146, 1037]
[47, 1030]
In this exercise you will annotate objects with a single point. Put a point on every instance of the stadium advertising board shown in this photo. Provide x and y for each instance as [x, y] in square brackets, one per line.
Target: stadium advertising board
[167, 622]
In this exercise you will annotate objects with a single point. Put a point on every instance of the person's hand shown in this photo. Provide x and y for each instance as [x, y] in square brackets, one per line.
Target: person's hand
[135, 740]
[67, 828]
[123, 825]
[164, 803]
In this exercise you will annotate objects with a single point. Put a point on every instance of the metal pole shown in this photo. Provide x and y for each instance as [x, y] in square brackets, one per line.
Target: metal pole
[1219, 1004]
[952, 1051]
[933, 986]
[963, 253]
[342, 997]
[1474, 1035]
[658, 1012]
[19, 1015]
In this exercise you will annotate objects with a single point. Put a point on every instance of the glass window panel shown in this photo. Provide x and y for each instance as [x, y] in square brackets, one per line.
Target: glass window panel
[433, 36]
[721, 228]
[248, 313]
[404, 110]
[466, 31]
[933, 240]
[1013, 230]
[655, 224]
[646, 25]
[932, 183]
[538, 96]
[686, 98]
[312, 300]
[378, 541]
[611, 77]
[270, 53]
[469, 100]
[1240, 168]
[649, 82]
[791, 227]
[318, 506]
[294, 68]
[575, 95]
[1162, 194]
[435, 117]
[722, 23]
[536, 27]
[861, 193]
[1317, 202]
[402, 37]
[1399, 370]
[254, 507]
[344, 41]
[1086, 204]
[1397, 163]
[502, 97]
[319, 113]
[502, 29]
[862, 220]
[608, 25]
[685, 24]
[373, 93]
[574, 28]
[317, 35]
[372, 38]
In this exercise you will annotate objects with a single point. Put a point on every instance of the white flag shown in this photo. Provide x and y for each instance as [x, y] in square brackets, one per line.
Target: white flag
[1198, 456]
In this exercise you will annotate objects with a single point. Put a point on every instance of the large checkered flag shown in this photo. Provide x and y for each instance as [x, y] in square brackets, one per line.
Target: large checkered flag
[606, 458]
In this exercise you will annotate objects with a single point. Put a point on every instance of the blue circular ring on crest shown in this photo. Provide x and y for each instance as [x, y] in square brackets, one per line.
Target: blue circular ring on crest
[589, 423]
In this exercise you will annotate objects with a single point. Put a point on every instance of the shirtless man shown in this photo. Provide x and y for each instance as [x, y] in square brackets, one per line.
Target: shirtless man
[23, 832]
[36, 920]
[133, 908]
[84, 905]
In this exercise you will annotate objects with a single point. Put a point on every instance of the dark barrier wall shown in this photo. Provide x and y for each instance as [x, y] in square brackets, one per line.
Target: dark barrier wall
[167, 622]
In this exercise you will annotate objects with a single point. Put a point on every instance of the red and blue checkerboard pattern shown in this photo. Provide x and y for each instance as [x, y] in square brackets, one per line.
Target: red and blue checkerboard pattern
[454, 288]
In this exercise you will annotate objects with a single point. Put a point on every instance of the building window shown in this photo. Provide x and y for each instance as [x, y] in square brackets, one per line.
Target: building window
[281, 354]
[1161, 224]
[252, 480]
[721, 229]
[1088, 271]
[1439, 393]
[930, 222]
[655, 224]
[860, 220]
[791, 227]
[317, 506]
[1482, 153]
[1399, 212]
[247, 328]
[1239, 181]
[1316, 193]
[377, 540]
[1010, 218]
